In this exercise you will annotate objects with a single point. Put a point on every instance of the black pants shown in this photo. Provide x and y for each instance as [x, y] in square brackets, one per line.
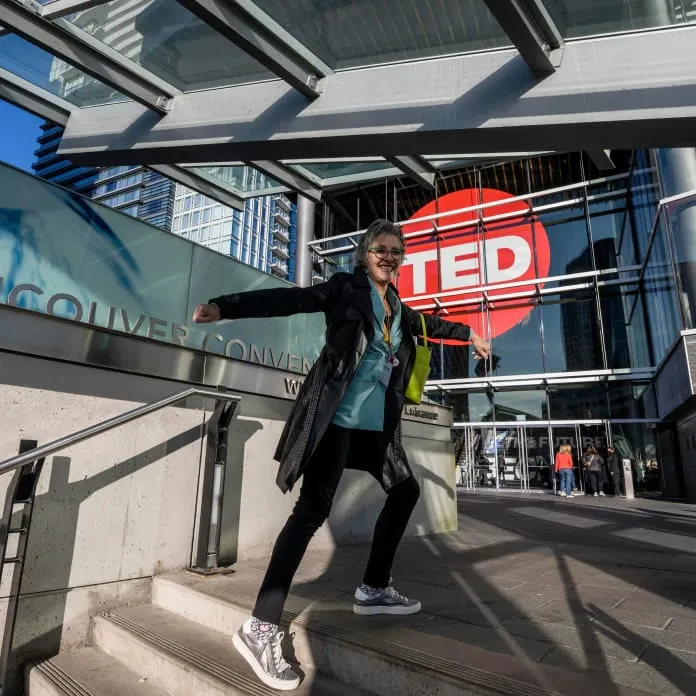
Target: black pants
[594, 481]
[616, 482]
[320, 481]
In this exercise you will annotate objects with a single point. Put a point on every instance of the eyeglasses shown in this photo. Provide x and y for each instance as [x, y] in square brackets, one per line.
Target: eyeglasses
[381, 252]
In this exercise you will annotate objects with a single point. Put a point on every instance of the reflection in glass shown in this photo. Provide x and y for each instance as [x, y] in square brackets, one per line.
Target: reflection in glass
[362, 32]
[568, 238]
[578, 402]
[171, 42]
[471, 407]
[625, 335]
[521, 405]
[628, 399]
[539, 457]
[518, 349]
[334, 170]
[608, 221]
[660, 294]
[576, 18]
[572, 337]
[53, 74]
[638, 443]
[241, 178]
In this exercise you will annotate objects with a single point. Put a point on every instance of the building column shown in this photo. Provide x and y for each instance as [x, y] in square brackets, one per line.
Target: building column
[677, 170]
[305, 234]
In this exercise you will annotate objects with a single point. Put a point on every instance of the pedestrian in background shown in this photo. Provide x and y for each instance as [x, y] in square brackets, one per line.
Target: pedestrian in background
[564, 468]
[614, 469]
[594, 466]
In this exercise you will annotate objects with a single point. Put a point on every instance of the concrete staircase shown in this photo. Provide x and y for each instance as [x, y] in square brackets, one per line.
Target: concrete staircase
[180, 645]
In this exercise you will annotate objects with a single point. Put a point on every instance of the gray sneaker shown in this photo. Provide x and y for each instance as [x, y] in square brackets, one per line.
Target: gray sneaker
[266, 659]
[370, 601]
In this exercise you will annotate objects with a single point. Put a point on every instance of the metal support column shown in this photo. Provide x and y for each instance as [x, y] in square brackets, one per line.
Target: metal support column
[305, 234]
[677, 170]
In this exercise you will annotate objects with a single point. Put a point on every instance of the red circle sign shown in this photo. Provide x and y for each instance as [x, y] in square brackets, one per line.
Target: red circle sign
[458, 261]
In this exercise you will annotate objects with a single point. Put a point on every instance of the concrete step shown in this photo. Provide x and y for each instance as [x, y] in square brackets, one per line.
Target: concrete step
[86, 672]
[378, 654]
[186, 658]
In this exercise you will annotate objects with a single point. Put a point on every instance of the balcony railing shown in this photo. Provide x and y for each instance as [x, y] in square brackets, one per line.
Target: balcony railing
[282, 201]
[281, 251]
[279, 268]
[282, 233]
[281, 215]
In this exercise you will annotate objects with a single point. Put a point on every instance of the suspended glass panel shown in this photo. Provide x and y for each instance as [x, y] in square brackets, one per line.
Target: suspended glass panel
[35, 65]
[241, 178]
[363, 32]
[577, 18]
[171, 42]
[334, 170]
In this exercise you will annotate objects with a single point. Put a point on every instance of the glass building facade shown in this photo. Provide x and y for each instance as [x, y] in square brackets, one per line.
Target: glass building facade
[260, 236]
[569, 272]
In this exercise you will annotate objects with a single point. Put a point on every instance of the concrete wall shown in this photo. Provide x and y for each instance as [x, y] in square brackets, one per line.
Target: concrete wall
[109, 512]
[255, 509]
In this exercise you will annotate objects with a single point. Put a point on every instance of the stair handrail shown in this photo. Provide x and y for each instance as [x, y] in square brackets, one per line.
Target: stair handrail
[78, 436]
[36, 456]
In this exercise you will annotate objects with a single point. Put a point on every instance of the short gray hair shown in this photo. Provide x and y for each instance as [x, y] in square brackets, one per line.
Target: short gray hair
[377, 228]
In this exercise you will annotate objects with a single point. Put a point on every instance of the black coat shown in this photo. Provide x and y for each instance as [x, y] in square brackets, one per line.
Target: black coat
[346, 303]
[613, 463]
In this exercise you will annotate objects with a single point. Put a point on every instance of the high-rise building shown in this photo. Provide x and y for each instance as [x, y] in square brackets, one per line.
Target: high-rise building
[261, 235]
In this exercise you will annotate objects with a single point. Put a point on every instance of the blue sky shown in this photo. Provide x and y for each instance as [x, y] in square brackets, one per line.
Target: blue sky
[18, 135]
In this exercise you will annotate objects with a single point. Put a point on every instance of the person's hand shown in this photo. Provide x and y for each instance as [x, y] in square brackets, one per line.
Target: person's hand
[482, 349]
[206, 313]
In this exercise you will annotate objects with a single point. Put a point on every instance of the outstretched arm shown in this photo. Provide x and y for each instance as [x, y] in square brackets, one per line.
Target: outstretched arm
[277, 302]
[441, 328]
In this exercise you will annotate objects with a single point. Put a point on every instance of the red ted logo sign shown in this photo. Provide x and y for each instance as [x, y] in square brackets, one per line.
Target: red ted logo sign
[458, 259]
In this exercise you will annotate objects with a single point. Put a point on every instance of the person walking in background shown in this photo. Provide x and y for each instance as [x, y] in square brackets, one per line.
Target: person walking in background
[346, 415]
[564, 468]
[594, 466]
[614, 469]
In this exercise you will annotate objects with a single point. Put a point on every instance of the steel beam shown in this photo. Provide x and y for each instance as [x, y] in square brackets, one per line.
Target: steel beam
[416, 168]
[38, 101]
[229, 18]
[531, 29]
[101, 65]
[289, 177]
[487, 102]
[602, 160]
[62, 8]
[199, 181]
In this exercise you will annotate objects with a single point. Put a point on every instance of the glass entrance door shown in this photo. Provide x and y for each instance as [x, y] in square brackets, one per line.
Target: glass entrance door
[539, 458]
[475, 448]
[569, 435]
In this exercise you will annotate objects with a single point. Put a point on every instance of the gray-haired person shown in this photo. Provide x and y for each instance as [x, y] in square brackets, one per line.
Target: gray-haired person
[346, 416]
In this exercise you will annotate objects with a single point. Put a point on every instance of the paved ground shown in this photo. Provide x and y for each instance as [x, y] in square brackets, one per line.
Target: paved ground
[595, 585]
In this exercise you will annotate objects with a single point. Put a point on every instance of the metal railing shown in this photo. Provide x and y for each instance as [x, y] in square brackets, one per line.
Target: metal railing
[62, 443]
[27, 466]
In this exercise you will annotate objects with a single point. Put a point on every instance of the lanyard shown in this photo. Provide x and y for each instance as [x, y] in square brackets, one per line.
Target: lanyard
[387, 333]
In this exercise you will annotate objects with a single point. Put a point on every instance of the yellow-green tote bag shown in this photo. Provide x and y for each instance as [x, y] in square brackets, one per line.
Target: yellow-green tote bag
[421, 370]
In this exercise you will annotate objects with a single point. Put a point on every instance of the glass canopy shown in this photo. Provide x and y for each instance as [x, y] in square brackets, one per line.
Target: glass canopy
[165, 38]
[95, 53]
[361, 32]
[580, 18]
[54, 75]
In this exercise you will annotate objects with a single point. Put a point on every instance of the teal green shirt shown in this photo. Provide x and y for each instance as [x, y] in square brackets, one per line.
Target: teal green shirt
[362, 407]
